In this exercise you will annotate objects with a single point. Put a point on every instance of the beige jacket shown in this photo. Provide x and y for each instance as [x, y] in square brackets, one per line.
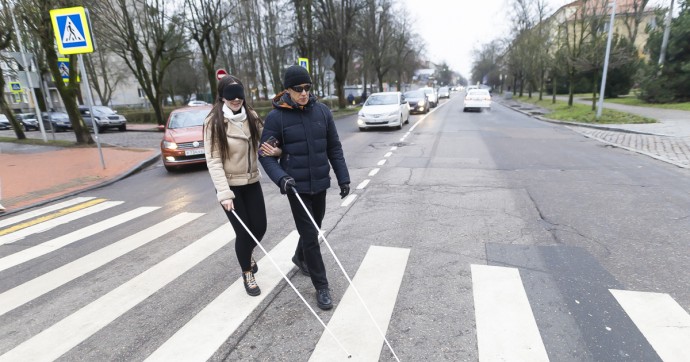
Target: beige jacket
[241, 166]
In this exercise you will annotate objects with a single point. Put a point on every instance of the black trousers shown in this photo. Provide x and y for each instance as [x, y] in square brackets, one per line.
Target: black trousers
[250, 207]
[308, 248]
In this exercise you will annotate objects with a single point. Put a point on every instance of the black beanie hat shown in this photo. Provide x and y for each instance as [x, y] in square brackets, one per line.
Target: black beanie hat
[295, 75]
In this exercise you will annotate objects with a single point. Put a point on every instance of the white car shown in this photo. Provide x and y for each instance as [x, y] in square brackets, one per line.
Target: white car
[431, 96]
[386, 109]
[477, 99]
[197, 103]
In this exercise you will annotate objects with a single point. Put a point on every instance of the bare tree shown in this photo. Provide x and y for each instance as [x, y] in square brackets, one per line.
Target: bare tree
[104, 74]
[146, 37]
[6, 31]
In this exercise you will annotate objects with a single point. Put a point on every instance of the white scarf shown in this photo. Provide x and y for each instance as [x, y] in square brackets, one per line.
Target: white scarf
[236, 119]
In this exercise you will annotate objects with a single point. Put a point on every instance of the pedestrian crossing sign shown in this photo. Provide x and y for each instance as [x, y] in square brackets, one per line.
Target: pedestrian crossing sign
[15, 87]
[72, 31]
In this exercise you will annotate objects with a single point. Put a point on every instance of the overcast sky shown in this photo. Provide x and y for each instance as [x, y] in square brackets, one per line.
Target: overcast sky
[453, 28]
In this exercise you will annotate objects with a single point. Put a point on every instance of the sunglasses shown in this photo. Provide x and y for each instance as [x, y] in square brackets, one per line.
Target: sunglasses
[300, 88]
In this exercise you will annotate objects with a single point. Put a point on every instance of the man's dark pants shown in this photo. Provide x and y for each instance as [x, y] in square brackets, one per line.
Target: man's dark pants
[308, 248]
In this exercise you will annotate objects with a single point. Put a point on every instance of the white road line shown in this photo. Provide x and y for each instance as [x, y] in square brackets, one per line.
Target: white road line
[199, 339]
[374, 172]
[394, 148]
[52, 245]
[506, 329]
[378, 281]
[363, 184]
[348, 200]
[388, 154]
[38, 286]
[664, 323]
[43, 210]
[402, 139]
[381, 163]
[64, 335]
[47, 225]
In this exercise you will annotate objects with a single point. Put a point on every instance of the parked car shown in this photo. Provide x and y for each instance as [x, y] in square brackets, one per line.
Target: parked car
[28, 121]
[57, 121]
[4, 122]
[444, 92]
[417, 101]
[196, 103]
[477, 99]
[105, 118]
[386, 109]
[183, 140]
[431, 96]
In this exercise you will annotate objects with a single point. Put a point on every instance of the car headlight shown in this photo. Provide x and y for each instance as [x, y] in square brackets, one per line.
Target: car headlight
[420, 103]
[170, 145]
[394, 113]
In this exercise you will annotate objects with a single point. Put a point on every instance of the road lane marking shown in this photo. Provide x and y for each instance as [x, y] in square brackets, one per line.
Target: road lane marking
[374, 172]
[506, 329]
[348, 200]
[664, 323]
[363, 184]
[381, 163]
[394, 148]
[57, 243]
[201, 337]
[48, 222]
[38, 286]
[64, 335]
[41, 211]
[378, 281]
[388, 154]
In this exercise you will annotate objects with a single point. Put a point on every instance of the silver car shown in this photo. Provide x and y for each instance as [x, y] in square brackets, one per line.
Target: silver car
[386, 109]
[431, 96]
[4, 122]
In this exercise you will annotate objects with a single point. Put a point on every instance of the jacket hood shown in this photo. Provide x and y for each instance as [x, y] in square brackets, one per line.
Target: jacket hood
[282, 100]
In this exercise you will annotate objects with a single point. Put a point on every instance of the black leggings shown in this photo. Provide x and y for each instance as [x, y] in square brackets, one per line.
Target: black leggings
[250, 207]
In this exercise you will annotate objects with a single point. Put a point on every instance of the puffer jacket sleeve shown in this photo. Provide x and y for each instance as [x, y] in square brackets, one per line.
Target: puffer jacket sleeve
[335, 152]
[272, 127]
[214, 164]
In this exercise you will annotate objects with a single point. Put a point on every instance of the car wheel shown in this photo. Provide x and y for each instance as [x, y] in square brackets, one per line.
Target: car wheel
[122, 128]
[407, 120]
[464, 109]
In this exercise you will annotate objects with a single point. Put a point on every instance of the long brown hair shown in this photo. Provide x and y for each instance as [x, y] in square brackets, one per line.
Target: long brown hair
[218, 137]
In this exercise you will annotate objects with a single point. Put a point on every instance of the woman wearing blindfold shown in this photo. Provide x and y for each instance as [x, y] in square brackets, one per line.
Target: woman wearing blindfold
[232, 131]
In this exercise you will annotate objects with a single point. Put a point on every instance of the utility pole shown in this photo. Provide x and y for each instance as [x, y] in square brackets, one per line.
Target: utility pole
[606, 62]
[667, 33]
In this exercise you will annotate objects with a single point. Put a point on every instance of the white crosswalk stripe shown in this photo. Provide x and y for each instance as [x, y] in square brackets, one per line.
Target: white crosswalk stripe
[26, 292]
[201, 336]
[378, 280]
[62, 241]
[506, 329]
[42, 211]
[21, 234]
[661, 320]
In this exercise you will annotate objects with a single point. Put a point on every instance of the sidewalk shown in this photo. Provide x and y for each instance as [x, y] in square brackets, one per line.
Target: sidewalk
[31, 175]
[667, 140]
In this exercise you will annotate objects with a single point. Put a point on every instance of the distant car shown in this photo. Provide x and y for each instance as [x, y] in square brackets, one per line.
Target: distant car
[105, 118]
[197, 103]
[417, 101]
[57, 121]
[477, 99]
[4, 122]
[28, 121]
[386, 109]
[444, 92]
[183, 140]
[431, 96]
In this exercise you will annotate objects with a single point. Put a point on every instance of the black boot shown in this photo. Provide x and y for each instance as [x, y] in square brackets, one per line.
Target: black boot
[255, 266]
[301, 264]
[250, 284]
[323, 299]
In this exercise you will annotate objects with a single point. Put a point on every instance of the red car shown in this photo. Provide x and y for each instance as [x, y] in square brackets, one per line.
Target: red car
[183, 141]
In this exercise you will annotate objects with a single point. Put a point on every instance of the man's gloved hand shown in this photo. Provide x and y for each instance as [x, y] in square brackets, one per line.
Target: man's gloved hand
[344, 190]
[287, 184]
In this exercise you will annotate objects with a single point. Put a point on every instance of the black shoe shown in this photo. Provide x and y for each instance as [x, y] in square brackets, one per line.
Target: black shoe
[250, 284]
[301, 264]
[323, 299]
[255, 266]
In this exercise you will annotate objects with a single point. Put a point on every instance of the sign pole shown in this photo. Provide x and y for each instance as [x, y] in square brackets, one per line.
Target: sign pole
[89, 96]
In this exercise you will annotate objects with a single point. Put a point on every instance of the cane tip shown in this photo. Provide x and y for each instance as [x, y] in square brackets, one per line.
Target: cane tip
[349, 356]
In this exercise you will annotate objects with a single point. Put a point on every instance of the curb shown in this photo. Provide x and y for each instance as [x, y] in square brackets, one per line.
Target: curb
[146, 163]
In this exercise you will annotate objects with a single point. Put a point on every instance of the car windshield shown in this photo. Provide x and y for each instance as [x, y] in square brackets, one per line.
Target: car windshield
[187, 119]
[414, 94]
[56, 115]
[381, 99]
[102, 110]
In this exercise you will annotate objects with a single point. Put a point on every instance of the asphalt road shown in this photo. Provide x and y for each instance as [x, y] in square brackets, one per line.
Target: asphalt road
[446, 213]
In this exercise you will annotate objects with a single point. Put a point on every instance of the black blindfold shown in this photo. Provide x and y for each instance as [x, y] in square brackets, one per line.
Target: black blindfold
[233, 91]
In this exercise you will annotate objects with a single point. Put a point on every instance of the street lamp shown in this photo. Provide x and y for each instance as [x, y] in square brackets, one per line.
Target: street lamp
[606, 62]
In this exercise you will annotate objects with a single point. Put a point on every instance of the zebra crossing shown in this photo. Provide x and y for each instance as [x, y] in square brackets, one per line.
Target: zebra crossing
[505, 325]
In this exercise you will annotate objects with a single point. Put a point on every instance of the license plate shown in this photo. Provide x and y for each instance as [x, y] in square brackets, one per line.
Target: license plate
[197, 151]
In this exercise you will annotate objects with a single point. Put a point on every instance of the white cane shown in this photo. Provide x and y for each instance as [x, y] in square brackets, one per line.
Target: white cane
[290, 283]
[345, 273]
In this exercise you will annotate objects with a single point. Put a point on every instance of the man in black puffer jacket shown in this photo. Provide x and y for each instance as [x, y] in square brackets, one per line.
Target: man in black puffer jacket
[310, 145]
